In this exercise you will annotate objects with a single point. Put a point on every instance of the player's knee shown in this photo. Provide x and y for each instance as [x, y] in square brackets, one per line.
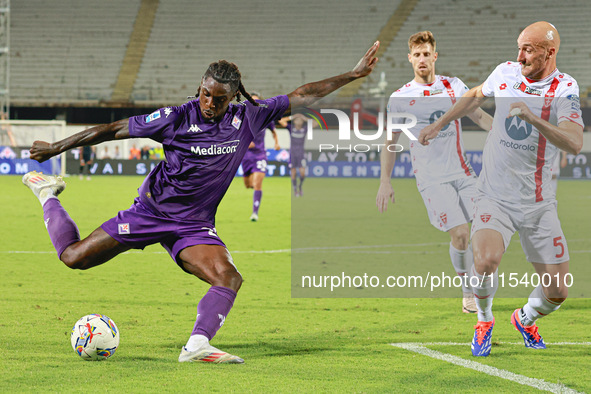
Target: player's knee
[460, 240]
[230, 278]
[487, 260]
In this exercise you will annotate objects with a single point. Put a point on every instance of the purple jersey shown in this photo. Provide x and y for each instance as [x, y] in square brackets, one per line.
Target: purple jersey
[258, 151]
[298, 138]
[201, 157]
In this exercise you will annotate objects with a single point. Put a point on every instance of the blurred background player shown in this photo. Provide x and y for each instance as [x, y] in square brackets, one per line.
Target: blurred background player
[6, 135]
[515, 190]
[298, 128]
[86, 154]
[178, 200]
[254, 165]
[444, 176]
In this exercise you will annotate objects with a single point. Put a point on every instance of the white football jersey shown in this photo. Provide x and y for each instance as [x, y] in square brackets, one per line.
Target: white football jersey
[517, 158]
[444, 159]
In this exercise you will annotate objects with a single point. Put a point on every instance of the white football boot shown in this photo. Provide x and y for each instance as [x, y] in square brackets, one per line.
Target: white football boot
[43, 185]
[208, 354]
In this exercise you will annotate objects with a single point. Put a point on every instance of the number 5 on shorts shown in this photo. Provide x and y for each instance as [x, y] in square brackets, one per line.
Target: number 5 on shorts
[558, 242]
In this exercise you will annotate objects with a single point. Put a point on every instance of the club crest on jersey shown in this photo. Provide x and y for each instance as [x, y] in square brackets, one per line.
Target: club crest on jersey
[124, 228]
[153, 116]
[485, 217]
[236, 122]
[526, 89]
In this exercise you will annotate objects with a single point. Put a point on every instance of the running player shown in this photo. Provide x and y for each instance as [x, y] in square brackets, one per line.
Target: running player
[205, 140]
[445, 179]
[298, 130]
[254, 165]
[537, 114]
[86, 158]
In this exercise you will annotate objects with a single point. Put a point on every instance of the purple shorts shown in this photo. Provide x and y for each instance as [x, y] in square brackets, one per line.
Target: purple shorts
[252, 165]
[137, 227]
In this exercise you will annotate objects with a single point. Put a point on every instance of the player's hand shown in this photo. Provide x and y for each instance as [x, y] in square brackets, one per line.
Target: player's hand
[522, 111]
[42, 151]
[385, 195]
[428, 133]
[367, 62]
[277, 147]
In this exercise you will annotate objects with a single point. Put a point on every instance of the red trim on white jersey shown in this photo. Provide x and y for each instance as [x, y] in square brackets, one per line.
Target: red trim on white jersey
[541, 159]
[452, 96]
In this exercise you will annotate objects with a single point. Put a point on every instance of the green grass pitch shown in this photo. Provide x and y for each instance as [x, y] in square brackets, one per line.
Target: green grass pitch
[289, 344]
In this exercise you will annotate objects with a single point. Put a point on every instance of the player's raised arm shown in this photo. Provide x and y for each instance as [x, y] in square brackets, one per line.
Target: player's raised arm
[307, 94]
[387, 160]
[467, 104]
[118, 130]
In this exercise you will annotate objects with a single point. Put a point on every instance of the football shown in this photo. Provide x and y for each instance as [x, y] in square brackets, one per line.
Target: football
[95, 337]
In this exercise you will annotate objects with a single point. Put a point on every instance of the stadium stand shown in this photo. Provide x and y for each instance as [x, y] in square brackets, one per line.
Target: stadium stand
[474, 37]
[66, 52]
[277, 48]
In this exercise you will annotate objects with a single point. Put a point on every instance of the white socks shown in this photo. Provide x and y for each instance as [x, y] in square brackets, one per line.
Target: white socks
[195, 342]
[538, 305]
[462, 260]
[484, 293]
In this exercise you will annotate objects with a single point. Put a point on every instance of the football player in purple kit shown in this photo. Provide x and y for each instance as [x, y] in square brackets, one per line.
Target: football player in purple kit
[204, 141]
[297, 131]
[254, 165]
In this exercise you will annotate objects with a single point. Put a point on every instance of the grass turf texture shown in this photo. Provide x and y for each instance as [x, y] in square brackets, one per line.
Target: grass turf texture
[289, 344]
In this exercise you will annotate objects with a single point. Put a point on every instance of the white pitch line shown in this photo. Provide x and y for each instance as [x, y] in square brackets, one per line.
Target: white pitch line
[502, 343]
[539, 384]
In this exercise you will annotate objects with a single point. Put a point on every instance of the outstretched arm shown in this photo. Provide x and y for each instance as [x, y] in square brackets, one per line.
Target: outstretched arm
[467, 104]
[309, 93]
[482, 119]
[118, 130]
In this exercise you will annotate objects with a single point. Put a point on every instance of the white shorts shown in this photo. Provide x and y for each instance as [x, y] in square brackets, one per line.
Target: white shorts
[450, 204]
[542, 239]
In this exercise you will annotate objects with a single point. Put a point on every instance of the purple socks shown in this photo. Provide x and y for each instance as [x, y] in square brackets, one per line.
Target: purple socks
[62, 229]
[212, 311]
[256, 201]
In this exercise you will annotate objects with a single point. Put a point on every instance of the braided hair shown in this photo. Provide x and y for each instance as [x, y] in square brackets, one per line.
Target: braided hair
[225, 72]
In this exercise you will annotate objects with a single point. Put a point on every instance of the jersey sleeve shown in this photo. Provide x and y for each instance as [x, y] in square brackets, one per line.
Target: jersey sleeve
[488, 87]
[568, 105]
[268, 111]
[459, 87]
[156, 125]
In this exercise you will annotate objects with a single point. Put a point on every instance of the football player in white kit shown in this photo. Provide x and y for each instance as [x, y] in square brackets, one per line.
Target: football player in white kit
[537, 115]
[445, 179]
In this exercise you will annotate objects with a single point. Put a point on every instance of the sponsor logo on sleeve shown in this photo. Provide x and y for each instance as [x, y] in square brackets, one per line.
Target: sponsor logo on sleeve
[167, 111]
[153, 116]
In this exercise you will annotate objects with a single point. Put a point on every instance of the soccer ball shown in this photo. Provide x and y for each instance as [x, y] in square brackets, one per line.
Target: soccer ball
[95, 337]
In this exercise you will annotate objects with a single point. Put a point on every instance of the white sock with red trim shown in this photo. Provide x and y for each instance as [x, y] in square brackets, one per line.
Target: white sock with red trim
[484, 291]
[538, 305]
